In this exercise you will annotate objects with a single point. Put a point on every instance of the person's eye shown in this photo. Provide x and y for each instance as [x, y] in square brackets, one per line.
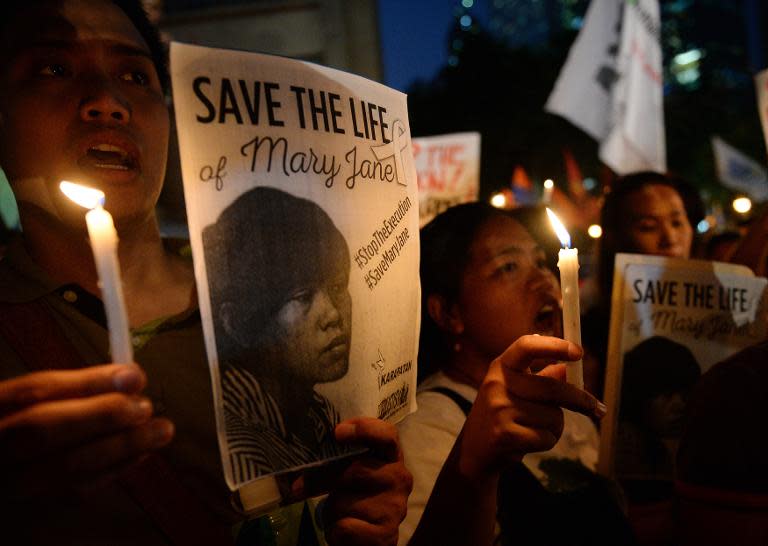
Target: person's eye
[646, 226]
[303, 297]
[137, 77]
[541, 263]
[507, 267]
[338, 287]
[54, 70]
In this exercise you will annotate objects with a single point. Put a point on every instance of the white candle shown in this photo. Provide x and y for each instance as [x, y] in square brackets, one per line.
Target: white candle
[103, 236]
[546, 194]
[568, 263]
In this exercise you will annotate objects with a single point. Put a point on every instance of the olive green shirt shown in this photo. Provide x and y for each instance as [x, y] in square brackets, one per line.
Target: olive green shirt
[172, 353]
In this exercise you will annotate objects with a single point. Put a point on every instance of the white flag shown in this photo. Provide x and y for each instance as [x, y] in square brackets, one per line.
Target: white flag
[740, 172]
[761, 81]
[611, 84]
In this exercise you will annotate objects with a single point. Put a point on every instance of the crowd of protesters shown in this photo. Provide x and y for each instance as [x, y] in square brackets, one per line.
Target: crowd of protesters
[501, 450]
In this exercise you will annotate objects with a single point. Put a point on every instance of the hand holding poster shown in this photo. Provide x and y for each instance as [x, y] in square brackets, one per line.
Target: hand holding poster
[671, 320]
[301, 194]
[448, 172]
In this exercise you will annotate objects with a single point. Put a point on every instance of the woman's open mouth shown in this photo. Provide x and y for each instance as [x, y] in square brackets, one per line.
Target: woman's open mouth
[546, 320]
[108, 156]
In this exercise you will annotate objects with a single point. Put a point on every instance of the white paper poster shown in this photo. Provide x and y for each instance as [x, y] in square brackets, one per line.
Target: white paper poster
[448, 172]
[303, 213]
[671, 320]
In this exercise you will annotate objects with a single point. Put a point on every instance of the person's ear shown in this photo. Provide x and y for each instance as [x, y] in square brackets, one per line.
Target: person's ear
[445, 315]
[232, 323]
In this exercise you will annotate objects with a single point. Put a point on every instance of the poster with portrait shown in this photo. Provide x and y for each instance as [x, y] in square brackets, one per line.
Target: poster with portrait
[448, 172]
[671, 320]
[302, 202]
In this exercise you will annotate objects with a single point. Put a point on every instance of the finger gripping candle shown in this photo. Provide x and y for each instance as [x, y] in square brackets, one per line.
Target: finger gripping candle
[568, 263]
[103, 237]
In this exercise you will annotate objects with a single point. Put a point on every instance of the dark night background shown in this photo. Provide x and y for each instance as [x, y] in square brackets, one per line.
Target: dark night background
[489, 66]
[494, 75]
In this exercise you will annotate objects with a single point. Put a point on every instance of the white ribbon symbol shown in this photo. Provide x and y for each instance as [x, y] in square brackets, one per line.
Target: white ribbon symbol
[394, 149]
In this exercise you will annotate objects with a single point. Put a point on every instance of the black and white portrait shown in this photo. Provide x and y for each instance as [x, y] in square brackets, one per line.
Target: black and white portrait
[658, 376]
[278, 272]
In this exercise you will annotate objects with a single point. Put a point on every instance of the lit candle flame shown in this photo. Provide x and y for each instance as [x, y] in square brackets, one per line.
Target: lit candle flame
[560, 231]
[86, 197]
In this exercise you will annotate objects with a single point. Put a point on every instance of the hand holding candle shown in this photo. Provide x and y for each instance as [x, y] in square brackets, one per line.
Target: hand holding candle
[101, 231]
[568, 263]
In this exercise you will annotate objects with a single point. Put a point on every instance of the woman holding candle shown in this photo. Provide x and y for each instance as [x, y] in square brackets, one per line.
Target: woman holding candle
[82, 99]
[486, 288]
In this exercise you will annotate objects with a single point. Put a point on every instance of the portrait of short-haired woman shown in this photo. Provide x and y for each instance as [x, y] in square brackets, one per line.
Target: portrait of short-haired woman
[278, 272]
[658, 376]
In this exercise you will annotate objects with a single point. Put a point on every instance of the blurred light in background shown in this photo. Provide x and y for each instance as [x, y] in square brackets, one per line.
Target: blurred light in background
[687, 58]
[595, 231]
[685, 66]
[703, 226]
[590, 184]
[549, 184]
[742, 205]
[499, 200]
